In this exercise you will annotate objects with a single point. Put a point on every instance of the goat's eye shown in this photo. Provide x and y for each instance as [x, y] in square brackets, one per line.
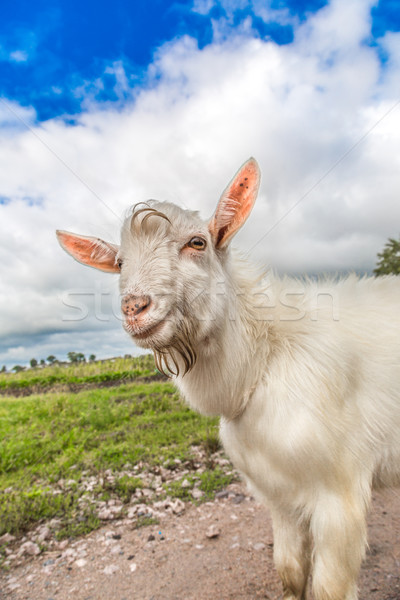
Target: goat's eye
[197, 243]
[119, 262]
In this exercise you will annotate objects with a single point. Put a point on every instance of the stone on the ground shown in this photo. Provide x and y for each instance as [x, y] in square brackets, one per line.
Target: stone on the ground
[213, 531]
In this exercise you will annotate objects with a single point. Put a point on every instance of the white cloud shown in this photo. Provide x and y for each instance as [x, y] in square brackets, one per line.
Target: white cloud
[303, 110]
[260, 8]
[19, 56]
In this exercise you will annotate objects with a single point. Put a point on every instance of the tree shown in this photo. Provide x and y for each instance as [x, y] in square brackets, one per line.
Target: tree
[3, 369]
[389, 259]
[72, 357]
[51, 359]
[75, 357]
[92, 357]
[42, 362]
[33, 363]
[18, 368]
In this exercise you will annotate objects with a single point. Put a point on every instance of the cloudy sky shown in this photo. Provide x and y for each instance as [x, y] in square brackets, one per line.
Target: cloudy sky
[104, 104]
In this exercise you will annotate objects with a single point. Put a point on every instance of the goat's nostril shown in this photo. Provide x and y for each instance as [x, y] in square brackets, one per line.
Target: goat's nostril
[134, 305]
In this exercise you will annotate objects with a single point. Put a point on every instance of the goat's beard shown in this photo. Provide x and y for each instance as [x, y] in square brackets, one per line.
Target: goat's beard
[178, 356]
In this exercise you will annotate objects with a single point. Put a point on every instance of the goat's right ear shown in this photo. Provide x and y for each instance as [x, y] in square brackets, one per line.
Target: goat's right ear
[235, 204]
[90, 251]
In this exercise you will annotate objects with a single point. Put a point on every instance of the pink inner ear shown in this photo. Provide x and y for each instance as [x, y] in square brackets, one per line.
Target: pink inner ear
[236, 203]
[90, 251]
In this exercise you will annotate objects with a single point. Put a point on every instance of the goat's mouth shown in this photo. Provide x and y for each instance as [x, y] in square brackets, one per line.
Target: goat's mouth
[144, 333]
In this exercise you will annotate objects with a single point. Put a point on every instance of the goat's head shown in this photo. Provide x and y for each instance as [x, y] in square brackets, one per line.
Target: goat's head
[173, 269]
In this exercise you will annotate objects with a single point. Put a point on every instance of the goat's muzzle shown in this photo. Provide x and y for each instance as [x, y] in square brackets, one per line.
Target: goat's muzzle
[132, 306]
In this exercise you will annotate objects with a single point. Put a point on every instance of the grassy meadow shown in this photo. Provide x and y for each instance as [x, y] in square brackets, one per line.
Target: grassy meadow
[73, 375]
[64, 454]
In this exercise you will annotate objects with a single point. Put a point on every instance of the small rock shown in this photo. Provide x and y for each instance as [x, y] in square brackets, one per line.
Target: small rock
[222, 494]
[6, 538]
[151, 538]
[259, 546]
[133, 567]
[177, 506]
[48, 562]
[44, 534]
[213, 531]
[116, 536]
[105, 514]
[109, 534]
[197, 494]
[29, 548]
[81, 562]
[186, 484]
[110, 569]
[238, 498]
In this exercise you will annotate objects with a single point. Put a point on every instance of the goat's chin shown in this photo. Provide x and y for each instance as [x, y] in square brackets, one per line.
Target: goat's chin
[151, 336]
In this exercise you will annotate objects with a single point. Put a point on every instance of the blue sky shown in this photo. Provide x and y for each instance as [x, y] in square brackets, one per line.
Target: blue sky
[52, 52]
[104, 104]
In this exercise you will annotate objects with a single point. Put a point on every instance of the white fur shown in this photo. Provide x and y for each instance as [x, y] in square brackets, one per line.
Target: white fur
[305, 377]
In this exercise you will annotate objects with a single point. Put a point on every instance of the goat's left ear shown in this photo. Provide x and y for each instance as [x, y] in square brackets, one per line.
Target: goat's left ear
[90, 251]
[235, 204]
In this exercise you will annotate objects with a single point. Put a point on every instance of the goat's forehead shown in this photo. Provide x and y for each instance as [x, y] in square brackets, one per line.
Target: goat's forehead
[163, 216]
[176, 213]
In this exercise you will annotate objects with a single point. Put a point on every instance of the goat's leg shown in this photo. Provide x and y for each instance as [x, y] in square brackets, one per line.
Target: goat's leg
[291, 554]
[338, 526]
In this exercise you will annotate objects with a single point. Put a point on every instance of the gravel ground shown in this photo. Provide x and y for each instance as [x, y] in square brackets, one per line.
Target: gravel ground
[219, 550]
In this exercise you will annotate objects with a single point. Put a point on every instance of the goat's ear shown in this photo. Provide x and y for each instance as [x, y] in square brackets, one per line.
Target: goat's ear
[90, 251]
[235, 204]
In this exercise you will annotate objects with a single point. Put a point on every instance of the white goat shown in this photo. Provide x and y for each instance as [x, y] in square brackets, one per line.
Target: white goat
[309, 400]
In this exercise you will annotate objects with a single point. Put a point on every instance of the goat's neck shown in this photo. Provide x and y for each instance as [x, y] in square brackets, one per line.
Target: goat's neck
[226, 371]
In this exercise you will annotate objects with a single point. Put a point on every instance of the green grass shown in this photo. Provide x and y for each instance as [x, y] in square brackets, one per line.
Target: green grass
[98, 372]
[211, 481]
[72, 437]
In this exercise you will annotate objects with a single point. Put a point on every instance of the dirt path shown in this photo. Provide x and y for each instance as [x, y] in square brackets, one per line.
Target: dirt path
[177, 560]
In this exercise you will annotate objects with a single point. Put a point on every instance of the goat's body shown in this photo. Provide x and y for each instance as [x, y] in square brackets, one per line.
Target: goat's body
[315, 421]
[305, 376]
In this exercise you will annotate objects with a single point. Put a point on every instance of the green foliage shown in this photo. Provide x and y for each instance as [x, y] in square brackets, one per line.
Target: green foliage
[124, 487]
[146, 522]
[51, 359]
[79, 373]
[76, 357]
[18, 368]
[33, 363]
[389, 259]
[212, 480]
[62, 436]
[22, 508]
[74, 526]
